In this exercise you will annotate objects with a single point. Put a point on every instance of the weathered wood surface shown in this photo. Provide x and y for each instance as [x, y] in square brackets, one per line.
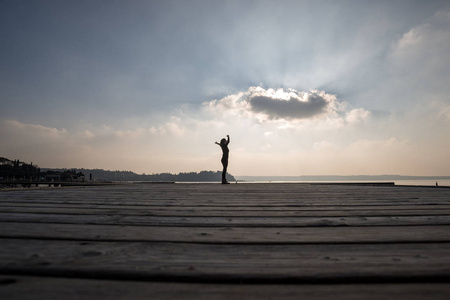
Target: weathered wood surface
[229, 263]
[226, 212]
[75, 289]
[225, 221]
[223, 235]
[215, 241]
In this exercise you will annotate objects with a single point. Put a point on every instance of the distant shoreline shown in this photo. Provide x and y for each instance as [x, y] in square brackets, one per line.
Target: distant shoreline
[405, 184]
[339, 178]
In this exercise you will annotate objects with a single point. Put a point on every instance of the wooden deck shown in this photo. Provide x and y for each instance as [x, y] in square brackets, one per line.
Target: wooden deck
[237, 241]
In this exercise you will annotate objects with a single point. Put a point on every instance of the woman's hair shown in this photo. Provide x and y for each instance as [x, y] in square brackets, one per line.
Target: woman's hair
[223, 141]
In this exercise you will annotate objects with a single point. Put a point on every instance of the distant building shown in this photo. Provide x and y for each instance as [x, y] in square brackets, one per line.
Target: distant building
[68, 176]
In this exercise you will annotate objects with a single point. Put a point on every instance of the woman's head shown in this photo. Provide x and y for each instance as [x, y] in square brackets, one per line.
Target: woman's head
[223, 141]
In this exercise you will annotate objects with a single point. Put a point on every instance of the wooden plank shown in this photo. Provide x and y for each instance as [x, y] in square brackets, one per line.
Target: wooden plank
[106, 195]
[226, 221]
[245, 235]
[228, 208]
[31, 288]
[241, 194]
[254, 203]
[335, 263]
[208, 212]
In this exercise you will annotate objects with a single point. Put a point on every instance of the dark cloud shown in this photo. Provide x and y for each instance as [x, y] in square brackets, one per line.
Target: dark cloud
[292, 108]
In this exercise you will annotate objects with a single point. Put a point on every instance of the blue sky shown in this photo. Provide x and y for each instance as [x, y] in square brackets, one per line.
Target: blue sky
[302, 87]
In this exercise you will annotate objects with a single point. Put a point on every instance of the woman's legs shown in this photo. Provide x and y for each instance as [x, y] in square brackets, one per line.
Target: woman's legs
[224, 171]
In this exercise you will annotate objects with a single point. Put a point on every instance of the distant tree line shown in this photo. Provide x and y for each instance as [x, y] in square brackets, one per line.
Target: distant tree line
[203, 176]
[16, 170]
[106, 175]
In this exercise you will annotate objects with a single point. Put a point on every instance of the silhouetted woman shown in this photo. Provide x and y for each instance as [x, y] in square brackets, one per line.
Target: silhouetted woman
[224, 145]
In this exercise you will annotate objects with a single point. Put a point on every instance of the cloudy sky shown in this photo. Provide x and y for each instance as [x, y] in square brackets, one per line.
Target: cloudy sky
[302, 87]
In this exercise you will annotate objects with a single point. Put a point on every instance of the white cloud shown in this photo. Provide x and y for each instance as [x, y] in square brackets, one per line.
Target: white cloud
[323, 145]
[419, 60]
[357, 115]
[429, 38]
[102, 147]
[88, 134]
[285, 106]
[39, 130]
[31, 141]
[445, 111]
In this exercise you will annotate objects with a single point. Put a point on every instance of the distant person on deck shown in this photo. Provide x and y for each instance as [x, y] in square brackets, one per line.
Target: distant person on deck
[224, 145]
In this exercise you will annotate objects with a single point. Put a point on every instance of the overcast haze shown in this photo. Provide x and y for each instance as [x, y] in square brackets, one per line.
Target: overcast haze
[301, 87]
